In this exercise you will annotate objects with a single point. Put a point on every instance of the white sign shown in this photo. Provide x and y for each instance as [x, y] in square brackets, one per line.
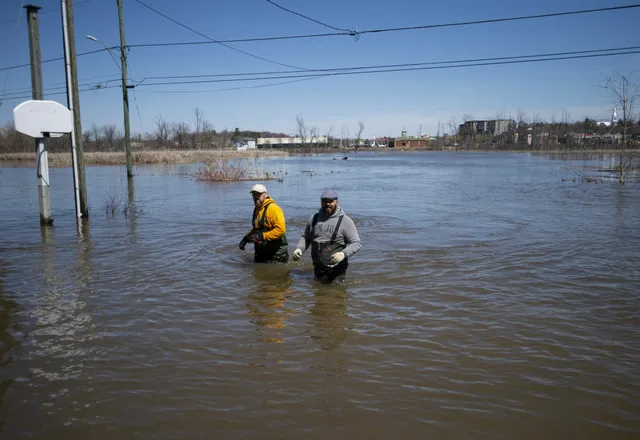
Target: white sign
[42, 118]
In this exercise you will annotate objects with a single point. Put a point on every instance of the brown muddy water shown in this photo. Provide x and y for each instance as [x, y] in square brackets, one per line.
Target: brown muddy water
[493, 298]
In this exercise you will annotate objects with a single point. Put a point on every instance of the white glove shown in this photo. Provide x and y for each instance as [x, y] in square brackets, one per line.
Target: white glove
[297, 254]
[337, 257]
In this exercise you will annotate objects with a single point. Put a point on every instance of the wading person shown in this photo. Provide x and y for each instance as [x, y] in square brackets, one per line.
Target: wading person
[333, 238]
[268, 233]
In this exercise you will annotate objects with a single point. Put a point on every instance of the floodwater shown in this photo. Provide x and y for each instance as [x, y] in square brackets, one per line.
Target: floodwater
[494, 297]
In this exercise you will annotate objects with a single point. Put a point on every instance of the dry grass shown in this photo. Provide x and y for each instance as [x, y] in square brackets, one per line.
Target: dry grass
[61, 160]
[234, 170]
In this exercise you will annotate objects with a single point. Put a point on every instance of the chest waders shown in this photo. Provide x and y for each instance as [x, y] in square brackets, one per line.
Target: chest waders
[275, 250]
[321, 251]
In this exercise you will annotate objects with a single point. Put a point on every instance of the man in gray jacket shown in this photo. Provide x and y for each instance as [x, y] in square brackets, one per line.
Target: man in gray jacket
[333, 238]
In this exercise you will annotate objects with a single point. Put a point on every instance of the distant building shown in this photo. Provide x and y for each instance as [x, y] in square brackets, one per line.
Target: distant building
[244, 143]
[377, 142]
[614, 118]
[409, 142]
[289, 141]
[493, 127]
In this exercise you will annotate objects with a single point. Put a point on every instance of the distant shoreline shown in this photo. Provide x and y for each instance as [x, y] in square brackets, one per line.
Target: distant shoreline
[176, 157]
[159, 157]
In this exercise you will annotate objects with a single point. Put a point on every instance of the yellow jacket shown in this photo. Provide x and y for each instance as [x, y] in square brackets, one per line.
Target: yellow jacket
[274, 223]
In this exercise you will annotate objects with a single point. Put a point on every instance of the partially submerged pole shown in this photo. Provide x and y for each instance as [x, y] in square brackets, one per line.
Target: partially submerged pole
[73, 103]
[44, 199]
[125, 91]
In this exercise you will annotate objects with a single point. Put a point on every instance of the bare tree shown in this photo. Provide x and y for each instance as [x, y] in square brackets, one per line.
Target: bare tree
[109, 132]
[624, 94]
[162, 129]
[96, 135]
[453, 130]
[199, 115]
[536, 123]
[467, 131]
[198, 127]
[207, 134]
[566, 119]
[327, 134]
[301, 129]
[359, 135]
[553, 125]
[86, 138]
[345, 131]
[521, 118]
[313, 133]
[181, 132]
[522, 127]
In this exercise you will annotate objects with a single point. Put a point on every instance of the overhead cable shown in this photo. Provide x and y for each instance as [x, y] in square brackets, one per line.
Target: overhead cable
[381, 66]
[407, 69]
[59, 58]
[212, 40]
[384, 30]
[309, 18]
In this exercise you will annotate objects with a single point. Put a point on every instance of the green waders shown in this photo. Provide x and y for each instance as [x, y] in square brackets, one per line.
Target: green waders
[271, 251]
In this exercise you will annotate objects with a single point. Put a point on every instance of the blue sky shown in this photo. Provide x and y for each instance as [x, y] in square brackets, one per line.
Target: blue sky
[386, 102]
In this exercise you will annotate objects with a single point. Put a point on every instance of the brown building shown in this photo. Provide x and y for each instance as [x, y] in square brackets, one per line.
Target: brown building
[409, 142]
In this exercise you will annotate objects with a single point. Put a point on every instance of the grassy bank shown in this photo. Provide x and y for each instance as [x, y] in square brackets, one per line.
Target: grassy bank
[61, 160]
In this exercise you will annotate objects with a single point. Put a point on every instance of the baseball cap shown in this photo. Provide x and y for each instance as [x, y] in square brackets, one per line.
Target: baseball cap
[258, 188]
[329, 194]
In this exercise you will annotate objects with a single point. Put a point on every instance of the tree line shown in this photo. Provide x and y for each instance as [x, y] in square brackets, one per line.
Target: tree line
[536, 133]
[166, 135]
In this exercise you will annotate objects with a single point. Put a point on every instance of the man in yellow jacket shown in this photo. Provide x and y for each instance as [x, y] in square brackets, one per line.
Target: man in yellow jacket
[268, 233]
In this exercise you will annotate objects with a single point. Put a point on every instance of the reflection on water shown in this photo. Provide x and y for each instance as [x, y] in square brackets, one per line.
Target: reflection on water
[500, 303]
[267, 303]
[10, 335]
[329, 315]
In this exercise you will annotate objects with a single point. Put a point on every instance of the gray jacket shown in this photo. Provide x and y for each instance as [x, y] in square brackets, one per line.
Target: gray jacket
[347, 234]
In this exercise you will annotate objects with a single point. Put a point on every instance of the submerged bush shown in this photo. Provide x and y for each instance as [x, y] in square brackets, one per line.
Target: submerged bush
[234, 170]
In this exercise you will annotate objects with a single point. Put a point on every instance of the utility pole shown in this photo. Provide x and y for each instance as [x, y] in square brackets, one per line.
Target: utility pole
[44, 199]
[125, 91]
[73, 102]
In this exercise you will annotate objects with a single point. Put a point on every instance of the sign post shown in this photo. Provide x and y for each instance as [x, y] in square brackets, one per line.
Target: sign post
[43, 119]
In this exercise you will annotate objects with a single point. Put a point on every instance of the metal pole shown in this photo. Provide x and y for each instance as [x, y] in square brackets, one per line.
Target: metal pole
[125, 91]
[42, 170]
[74, 98]
[70, 92]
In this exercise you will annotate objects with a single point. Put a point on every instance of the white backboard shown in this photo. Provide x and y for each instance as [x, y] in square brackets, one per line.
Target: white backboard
[42, 118]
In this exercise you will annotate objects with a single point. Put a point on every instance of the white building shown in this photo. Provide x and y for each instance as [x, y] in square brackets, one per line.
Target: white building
[284, 141]
[243, 144]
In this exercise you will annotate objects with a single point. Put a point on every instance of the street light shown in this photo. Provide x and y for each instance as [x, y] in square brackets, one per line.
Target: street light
[92, 38]
[125, 95]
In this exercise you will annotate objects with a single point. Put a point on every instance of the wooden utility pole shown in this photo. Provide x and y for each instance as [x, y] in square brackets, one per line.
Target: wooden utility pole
[44, 199]
[125, 91]
[73, 102]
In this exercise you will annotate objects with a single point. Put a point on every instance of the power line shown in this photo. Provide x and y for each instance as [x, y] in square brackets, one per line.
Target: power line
[59, 84]
[56, 59]
[232, 88]
[380, 66]
[407, 69]
[309, 18]
[470, 62]
[6, 77]
[98, 86]
[212, 40]
[303, 76]
[47, 95]
[500, 20]
[383, 30]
